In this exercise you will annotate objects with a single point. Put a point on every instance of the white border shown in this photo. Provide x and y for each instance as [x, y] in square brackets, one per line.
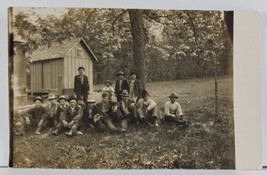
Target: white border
[260, 5]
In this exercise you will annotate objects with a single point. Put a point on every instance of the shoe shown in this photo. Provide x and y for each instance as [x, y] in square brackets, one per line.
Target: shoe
[69, 133]
[79, 133]
[156, 125]
[123, 130]
[55, 132]
[37, 133]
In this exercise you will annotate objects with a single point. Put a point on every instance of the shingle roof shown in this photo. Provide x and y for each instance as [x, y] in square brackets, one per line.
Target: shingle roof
[58, 50]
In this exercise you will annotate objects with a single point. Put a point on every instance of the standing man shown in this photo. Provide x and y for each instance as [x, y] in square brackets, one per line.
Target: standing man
[136, 88]
[121, 84]
[81, 84]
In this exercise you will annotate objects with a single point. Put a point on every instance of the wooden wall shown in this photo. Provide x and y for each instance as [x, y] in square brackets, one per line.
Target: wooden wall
[71, 63]
[45, 75]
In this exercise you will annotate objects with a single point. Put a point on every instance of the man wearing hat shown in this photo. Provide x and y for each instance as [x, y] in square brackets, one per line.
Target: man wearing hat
[71, 117]
[62, 105]
[127, 111]
[135, 88]
[173, 110]
[107, 110]
[49, 119]
[91, 116]
[81, 84]
[108, 89]
[33, 117]
[121, 84]
[147, 109]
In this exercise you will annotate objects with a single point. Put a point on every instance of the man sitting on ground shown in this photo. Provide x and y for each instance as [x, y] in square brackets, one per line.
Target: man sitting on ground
[173, 110]
[107, 111]
[33, 117]
[71, 117]
[147, 109]
[91, 116]
[127, 110]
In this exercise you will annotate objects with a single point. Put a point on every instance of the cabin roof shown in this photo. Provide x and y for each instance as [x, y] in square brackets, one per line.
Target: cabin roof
[59, 50]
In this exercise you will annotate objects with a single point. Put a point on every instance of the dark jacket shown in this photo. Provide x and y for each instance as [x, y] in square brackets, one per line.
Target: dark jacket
[37, 113]
[68, 115]
[124, 85]
[80, 88]
[138, 88]
[87, 117]
[109, 107]
[130, 104]
[60, 110]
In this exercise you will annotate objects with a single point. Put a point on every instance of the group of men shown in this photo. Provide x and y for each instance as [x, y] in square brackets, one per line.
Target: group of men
[80, 111]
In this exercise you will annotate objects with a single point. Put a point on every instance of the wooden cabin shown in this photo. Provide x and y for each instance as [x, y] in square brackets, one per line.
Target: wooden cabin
[54, 67]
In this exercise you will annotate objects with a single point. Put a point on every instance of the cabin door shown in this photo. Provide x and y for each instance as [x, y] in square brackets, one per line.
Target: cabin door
[47, 79]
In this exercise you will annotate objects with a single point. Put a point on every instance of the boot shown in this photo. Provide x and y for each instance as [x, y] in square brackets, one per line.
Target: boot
[70, 133]
[38, 131]
[55, 132]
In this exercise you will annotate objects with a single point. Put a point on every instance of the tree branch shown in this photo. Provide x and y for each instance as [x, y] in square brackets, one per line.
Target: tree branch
[116, 19]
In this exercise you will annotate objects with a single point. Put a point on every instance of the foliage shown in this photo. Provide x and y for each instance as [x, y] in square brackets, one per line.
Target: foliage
[178, 44]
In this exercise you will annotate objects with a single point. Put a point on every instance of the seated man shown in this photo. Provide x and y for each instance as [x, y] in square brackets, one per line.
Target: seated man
[107, 110]
[127, 111]
[173, 111]
[147, 109]
[62, 105]
[71, 117]
[49, 119]
[91, 116]
[34, 116]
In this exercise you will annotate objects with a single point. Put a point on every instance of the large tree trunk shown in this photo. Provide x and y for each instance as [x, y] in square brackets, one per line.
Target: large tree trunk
[229, 20]
[137, 31]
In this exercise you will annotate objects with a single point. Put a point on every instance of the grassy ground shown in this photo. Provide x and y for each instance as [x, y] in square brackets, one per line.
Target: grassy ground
[204, 144]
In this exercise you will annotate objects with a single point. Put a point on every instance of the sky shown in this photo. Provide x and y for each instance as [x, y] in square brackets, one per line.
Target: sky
[36, 12]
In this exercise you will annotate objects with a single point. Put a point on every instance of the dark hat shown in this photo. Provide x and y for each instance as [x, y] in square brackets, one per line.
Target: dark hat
[90, 99]
[51, 96]
[80, 97]
[144, 93]
[108, 81]
[173, 95]
[125, 93]
[120, 73]
[81, 68]
[38, 98]
[133, 73]
[73, 97]
[62, 97]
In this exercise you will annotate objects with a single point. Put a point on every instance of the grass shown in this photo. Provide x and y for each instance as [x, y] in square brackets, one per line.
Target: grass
[206, 143]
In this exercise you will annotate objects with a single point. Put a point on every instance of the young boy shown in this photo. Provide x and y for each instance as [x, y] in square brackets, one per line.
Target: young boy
[108, 89]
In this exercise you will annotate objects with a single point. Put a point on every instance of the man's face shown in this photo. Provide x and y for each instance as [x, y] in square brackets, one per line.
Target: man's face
[81, 71]
[73, 103]
[62, 102]
[133, 76]
[38, 103]
[105, 99]
[120, 76]
[90, 105]
[145, 98]
[124, 98]
[53, 101]
[173, 99]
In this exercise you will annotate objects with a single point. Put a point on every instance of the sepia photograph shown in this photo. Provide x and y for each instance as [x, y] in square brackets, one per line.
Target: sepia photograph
[98, 88]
